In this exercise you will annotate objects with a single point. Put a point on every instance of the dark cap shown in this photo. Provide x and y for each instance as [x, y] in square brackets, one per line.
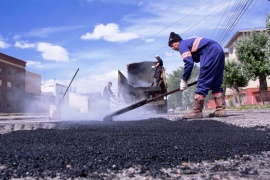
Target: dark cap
[174, 38]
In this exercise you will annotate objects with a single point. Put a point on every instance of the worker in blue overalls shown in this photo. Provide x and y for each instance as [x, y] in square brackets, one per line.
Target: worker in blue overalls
[212, 59]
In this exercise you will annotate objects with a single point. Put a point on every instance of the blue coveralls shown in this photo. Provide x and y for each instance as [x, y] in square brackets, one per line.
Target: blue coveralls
[212, 59]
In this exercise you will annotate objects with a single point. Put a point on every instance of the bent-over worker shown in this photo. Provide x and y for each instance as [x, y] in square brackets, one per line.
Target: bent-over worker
[211, 57]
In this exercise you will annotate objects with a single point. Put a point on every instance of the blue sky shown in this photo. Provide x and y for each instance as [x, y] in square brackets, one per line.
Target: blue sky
[100, 37]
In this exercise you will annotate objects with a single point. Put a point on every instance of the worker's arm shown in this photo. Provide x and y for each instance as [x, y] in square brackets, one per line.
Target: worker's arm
[111, 93]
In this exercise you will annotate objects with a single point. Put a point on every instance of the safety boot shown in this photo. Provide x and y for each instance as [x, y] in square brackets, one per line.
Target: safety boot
[197, 108]
[220, 106]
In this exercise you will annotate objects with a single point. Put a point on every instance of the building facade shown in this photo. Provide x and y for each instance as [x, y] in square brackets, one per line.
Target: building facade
[53, 94]
[12, 84]
[248, 93]
[32, 92]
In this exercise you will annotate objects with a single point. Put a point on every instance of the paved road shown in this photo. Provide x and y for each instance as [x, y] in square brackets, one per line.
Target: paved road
[164, 147]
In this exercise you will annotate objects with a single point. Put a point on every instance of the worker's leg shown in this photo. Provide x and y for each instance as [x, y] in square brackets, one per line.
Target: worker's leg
[220, 106]
[217, 90]
[211, 70]
[197, 108]
[158, 76]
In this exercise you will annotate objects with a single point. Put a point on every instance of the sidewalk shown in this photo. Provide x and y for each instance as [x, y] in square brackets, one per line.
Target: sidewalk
[24, 117]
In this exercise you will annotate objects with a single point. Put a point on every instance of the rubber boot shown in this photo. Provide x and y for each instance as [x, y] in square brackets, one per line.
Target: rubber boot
[220, 106]
[197, 110]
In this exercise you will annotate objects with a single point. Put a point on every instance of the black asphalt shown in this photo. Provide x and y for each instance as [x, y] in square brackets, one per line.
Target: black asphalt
[88, 149]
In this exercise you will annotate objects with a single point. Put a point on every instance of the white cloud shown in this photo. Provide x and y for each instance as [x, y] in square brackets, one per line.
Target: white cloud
[44, 32]
[17, 36]
[109, 32]
[34, 64]
[24, 44]
[140, 3]
[53, 52]
[3, 44]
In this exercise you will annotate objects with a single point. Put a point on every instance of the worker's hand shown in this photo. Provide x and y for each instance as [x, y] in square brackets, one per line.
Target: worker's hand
[153, 67]
[183, 85]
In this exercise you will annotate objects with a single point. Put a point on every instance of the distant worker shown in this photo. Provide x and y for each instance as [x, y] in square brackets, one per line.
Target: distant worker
[211, 57]
[158, 70]
[107, 94]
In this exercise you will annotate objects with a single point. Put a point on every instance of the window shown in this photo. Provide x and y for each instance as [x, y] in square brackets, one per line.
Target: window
[1, 70]
[0, 82]
[9, 73]
[231, 50]
[9, 94]
[8, 84]
[8, 105]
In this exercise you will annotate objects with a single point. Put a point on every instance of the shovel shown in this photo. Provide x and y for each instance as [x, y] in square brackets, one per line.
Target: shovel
[108, 118]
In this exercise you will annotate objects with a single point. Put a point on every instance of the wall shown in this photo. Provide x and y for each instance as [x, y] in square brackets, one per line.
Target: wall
[12, 84]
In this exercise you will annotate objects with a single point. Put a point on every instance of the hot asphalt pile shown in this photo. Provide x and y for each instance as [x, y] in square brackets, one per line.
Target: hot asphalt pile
[148, 149]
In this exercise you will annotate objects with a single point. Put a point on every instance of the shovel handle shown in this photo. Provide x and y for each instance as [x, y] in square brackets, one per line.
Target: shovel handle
[108, 118]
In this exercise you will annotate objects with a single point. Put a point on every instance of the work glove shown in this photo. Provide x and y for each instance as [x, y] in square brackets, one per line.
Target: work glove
[153, 67]
[183, 85]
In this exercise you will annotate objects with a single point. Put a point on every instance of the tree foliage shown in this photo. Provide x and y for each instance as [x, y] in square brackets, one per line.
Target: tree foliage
[184, 98]
[234, 77]
[233, 74]
[252, 51]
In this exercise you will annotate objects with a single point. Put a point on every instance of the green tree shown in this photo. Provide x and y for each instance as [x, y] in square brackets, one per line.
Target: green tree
[234, 77]
[253, 53]
[184, 98]
[173, 82]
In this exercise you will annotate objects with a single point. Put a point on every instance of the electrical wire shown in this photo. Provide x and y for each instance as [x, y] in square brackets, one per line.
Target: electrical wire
[197, 23]
[221, 18]
[235, 8]
[239, 9]
[242, 12]
[175, 22]
[235, 17]
[169, 26]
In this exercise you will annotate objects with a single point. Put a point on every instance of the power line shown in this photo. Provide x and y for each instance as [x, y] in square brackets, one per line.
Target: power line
[224, 33]
[238, 9]
[196, 24]
[242, 12]
[168, 26]
[110, 60]
[221, 18]
[234, 9]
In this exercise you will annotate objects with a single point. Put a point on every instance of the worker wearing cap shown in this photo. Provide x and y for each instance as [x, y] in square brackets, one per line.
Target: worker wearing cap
[158, 70]
[211, 57]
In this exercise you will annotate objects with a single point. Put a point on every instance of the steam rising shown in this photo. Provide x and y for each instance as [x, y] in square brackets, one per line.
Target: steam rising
[91, 106]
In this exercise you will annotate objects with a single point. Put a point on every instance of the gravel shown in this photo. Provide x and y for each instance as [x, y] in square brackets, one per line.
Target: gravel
[164, 147]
